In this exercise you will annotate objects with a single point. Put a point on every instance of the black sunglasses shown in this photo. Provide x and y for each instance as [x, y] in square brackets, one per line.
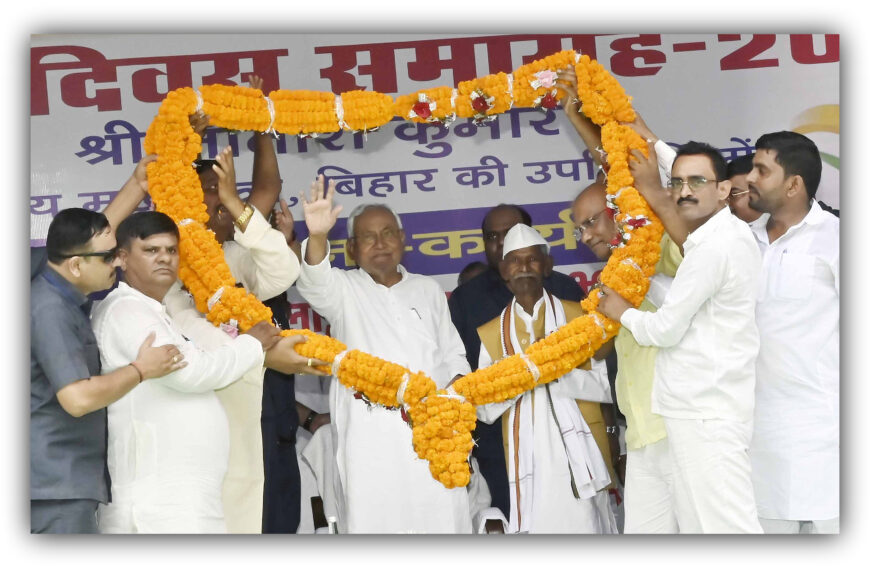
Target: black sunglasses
[108, 255]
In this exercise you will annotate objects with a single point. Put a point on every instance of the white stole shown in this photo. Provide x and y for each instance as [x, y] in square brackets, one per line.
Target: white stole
[589, 472]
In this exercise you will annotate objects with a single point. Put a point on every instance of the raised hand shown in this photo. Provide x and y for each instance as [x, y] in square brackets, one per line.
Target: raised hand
[639, 126]
[283, 219]
[589, 132]
[645, 171]
[255, 81]
[226, 173]
[199, 122]
[140, 174]
[319, 213]
[567, 80]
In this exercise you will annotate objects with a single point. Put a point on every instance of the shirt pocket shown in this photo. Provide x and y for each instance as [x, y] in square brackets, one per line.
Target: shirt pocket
[419, 324]
[796, 276]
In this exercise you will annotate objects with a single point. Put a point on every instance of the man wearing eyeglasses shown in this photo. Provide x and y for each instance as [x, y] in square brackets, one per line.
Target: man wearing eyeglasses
[381, 309]
[68, 395]
[704, 380]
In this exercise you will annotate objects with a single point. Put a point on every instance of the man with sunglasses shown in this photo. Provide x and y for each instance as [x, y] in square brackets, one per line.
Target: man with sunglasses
[704, 380]
[68, 395]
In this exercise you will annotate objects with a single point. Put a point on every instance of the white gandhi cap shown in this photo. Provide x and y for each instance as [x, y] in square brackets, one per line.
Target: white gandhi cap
[521, 236]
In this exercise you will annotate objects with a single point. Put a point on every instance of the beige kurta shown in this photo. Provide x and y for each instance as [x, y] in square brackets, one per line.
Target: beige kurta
[591, 411]
[544, 498]
[260, 260]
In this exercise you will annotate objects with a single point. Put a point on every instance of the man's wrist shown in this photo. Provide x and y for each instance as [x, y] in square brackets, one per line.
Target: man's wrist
[138, 371]
[306, 425]
[246, 215]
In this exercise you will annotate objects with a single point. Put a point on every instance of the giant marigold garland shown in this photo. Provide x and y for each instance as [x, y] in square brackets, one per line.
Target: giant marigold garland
[441, 420]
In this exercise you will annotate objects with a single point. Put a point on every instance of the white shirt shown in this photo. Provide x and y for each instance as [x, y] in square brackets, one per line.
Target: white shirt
[705, 330]
[386, 488]
[795, 450]
[168, 437]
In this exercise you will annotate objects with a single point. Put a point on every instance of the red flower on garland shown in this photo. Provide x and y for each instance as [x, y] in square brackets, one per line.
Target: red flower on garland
[480, 104]
[422, 110]
[637, 222]
[549, 101]
[615, 241]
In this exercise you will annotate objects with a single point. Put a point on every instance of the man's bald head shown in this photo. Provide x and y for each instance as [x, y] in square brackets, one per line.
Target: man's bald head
[590, 215]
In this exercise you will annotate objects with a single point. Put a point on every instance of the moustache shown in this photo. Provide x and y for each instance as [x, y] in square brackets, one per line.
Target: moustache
[686, 199]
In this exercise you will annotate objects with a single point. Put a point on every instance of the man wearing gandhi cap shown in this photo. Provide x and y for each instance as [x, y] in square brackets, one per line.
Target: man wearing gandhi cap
[556, 472]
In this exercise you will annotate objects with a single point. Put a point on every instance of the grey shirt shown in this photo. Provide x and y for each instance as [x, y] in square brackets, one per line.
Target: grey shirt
[67, 454]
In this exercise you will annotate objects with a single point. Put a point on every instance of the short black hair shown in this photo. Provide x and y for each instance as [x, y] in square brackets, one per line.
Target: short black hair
[524, 215]
[71, 230]
[720, 168]
[474, 266]
[142, 225]
[797, 154]
[740, 165]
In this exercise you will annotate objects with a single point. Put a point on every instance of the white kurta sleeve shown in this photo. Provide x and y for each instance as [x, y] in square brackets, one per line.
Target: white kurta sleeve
[128, 322]
[261, 259]
[591, 385]
[659, 285]
[698, 278]
[449, 341]
[490, 412]
[322, 286]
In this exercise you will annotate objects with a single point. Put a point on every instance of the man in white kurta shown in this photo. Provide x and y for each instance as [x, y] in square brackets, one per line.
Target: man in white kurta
[168, 438]
[384, 486]
[795, 448]
[704, 381]
[556, 473]
[158, 483]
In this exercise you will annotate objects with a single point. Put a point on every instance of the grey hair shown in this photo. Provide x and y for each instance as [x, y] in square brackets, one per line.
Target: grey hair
[362, 208]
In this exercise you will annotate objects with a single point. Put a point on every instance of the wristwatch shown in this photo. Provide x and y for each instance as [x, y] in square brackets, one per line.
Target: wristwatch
[244, 216]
